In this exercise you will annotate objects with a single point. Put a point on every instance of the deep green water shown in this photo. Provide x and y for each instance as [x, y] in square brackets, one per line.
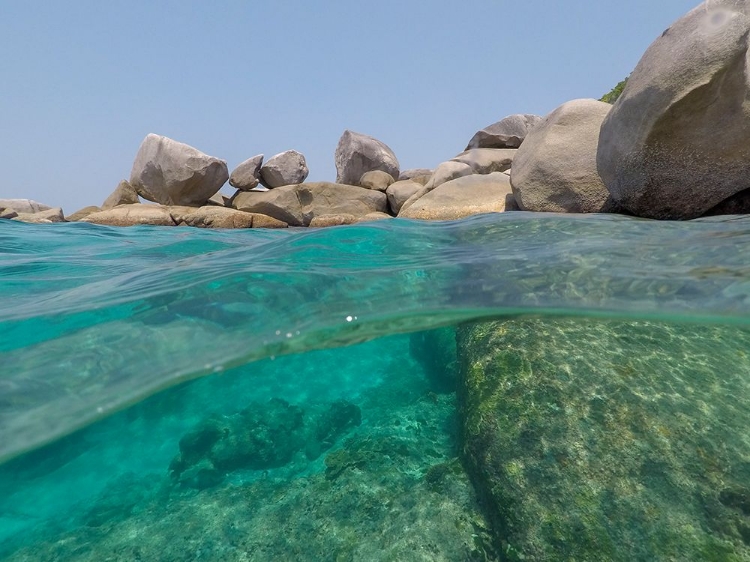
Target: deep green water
[183, 394]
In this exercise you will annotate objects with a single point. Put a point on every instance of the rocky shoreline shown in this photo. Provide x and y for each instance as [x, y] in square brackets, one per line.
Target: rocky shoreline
[673, 146]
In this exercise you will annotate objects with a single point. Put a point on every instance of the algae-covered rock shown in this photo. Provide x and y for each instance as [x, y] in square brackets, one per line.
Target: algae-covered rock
[596, 440]
[259, 437]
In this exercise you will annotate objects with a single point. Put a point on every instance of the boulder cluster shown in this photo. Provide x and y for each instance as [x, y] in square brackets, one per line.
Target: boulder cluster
[675, 145]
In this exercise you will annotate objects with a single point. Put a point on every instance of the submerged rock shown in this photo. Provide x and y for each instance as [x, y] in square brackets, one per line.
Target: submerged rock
[596, 440]
[435, 350]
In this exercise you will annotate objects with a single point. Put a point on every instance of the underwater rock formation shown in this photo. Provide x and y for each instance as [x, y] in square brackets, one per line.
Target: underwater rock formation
[608, 440]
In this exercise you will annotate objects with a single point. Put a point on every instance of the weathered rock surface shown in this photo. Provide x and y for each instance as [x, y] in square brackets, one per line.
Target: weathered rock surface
[677, 141]
[23, 205]
[41, 217]
[7, 213]
[222, 217]
[463, 197]
[297, 205]
[414, 173]
[203, 217]
[219, 200]
[357, 153]
[172, 173]
[399, 193]
[83, 213]
[124, 194]
[374, 216]
[509, 132]
[376, 179]
[332, 220]
[555, 168]
[599, 440]
[487, 160]
[132, 215]
[445, 172]
[246, 176]
[286, 168]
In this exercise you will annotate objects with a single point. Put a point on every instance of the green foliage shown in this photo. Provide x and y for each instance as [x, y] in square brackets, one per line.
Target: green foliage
[612, 96]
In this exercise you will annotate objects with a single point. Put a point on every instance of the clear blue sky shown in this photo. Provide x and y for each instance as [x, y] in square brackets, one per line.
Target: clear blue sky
[84, 81]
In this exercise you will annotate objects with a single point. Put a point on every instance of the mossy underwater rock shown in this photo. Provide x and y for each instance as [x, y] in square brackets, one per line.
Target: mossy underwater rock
[435, 350]
[595, 440]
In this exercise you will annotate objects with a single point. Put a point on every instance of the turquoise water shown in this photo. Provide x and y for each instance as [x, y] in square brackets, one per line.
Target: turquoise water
[184, 394]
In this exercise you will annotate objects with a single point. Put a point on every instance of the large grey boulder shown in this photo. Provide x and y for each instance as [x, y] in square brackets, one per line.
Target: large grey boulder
[297, 205]
[23, 205]
[463, 197]
[246, 176]
[172, 173]
[487, 160]
[124, 194]
[555, 168]
[286, 168]
[357, 153]
[509, 132]
[677, 141]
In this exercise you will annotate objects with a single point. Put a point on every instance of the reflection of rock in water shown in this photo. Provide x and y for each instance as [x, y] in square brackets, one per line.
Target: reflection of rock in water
[609, 440]
[435, 350]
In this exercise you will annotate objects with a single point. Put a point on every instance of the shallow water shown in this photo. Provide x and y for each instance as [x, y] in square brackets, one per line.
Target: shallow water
[96, 321]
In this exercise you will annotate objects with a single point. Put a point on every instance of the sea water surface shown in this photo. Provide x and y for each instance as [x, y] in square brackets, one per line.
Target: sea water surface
[116, 344]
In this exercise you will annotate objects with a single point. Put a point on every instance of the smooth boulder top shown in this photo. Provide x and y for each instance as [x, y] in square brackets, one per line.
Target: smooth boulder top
[677, 141]
[246, 176]
[357, 154]
[509, 132]
[23, 205]
[487, 160]
[399, 193]
[463, 197]
[172, 173]
[286, 168]
[202, 217]
[376, 179]
[555, 168]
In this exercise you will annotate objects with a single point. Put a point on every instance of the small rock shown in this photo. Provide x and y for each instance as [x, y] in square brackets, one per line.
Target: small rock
[506, 133]
[286, 168]
[398, 193]
[376, 179]
[246, 176]
[445, 172]
[124, 194]
[83, 213]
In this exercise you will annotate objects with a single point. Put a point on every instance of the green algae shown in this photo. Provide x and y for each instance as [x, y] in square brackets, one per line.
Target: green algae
[609, 440]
